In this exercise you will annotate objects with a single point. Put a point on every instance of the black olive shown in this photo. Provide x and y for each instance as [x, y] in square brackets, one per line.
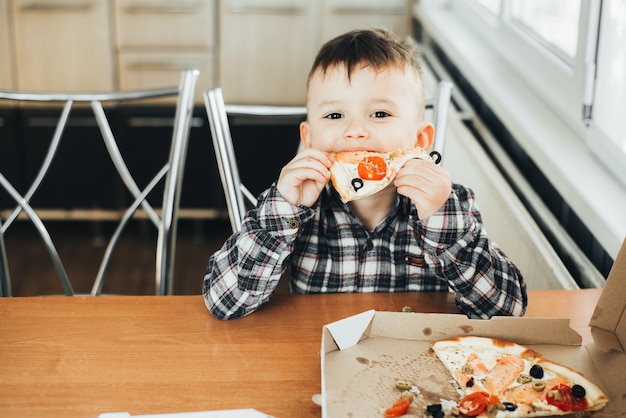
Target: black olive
[536, 371]
[470, 383]
[509, 406]
[357, 183]
[578, 392]
[432, 409]
[435, 156]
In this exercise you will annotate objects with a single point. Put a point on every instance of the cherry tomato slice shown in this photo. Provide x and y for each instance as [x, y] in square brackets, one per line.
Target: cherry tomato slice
[372, 168]
[399, 408]
[474, 403]
[561, 397]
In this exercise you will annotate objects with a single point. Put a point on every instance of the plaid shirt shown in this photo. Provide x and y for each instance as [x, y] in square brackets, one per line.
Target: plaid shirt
[328, 250]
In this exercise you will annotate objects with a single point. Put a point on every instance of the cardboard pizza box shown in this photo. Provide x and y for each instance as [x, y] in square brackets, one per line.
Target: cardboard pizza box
[362, 356]
[608, 323]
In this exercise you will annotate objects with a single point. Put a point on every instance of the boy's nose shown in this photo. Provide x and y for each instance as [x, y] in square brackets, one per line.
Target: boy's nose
[356, 130]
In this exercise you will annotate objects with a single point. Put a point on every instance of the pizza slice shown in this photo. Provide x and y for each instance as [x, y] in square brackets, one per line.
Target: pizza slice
[499, 379]
[357, 174]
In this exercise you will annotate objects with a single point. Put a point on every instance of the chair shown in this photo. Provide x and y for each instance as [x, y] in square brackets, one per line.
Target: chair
[236, 193]
[440, 107]
[169, 176]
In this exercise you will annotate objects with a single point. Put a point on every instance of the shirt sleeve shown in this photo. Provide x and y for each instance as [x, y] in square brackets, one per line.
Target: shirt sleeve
[486, 283]
[243, 274]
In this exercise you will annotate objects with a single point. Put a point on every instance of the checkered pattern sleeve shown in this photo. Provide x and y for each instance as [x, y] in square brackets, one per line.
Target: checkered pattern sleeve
[243, 274]
[486, 283]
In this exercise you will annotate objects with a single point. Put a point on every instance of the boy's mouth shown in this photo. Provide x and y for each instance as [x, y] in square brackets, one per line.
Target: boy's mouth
[353, 149]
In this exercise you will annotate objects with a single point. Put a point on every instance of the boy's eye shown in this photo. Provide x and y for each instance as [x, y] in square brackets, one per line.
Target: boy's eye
[380, 114]
[334, 116]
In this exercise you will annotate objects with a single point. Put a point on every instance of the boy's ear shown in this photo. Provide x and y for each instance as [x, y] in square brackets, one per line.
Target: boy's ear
[426, 136]
[305, 134]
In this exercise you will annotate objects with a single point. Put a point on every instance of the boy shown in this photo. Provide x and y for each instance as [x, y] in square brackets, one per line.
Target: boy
[421, 233]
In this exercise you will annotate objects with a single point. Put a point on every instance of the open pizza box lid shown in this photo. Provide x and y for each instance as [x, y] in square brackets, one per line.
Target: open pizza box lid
[365, 354]
[608, 323]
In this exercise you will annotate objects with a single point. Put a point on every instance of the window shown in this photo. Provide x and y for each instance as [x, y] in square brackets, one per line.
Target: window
[552, 23]
[491, 6]
[565, 119]
[572, 55]
[525, 35]
[607, 129]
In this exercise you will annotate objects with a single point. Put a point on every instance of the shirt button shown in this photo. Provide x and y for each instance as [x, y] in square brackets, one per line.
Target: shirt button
[293, 224]
[369, 246]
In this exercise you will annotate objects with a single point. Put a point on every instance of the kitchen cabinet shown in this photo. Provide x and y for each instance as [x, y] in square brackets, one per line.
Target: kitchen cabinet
[156, 39]
[6, 72]
[146, 70]
[266, 49]
[165, 24]
[258, 51]
[340, 16]
[93, 45]
[62, 45]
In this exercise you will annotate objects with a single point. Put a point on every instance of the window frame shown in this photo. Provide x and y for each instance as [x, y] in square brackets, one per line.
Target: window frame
[564, 152]
[567, 89]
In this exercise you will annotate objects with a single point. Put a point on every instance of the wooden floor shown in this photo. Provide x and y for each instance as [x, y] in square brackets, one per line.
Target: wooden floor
[132, 270]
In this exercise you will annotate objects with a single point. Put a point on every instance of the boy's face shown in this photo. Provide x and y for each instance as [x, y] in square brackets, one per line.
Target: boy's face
[372, 111]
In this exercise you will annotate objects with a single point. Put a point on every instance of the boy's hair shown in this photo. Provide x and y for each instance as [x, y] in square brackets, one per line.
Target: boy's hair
[378, 48]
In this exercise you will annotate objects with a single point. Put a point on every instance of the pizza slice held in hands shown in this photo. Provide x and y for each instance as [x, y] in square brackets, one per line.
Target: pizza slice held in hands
[357, 174]
[503, 379]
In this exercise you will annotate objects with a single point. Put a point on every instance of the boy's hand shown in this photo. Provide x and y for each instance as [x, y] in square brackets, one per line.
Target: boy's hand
[303, 178]
[426, 184]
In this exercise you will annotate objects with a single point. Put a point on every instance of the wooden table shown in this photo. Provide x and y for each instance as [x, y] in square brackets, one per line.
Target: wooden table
[80, 356]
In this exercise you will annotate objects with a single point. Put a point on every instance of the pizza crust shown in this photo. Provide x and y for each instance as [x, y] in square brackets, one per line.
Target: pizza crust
[483, 343]
[344, 172]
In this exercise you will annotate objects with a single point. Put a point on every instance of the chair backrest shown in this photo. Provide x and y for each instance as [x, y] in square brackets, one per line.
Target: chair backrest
[440, 107]
[238, 197]
[235, 192]
[168, 176]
